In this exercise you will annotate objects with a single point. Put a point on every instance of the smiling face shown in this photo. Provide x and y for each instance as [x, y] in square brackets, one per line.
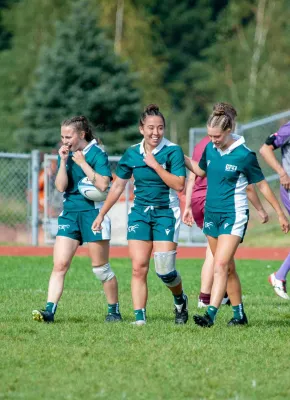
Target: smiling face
[221, 139]
[72, 139]
[153, 131]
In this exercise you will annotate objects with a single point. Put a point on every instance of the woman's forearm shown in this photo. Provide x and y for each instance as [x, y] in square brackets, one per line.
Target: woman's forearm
[61, 180]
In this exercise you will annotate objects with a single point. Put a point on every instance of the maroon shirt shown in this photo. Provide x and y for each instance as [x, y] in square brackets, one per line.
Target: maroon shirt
[200, 186]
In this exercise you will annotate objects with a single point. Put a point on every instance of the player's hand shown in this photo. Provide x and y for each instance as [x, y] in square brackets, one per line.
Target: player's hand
[284, 223]
[187, 217]
[149, 159]
[264, 216]
[63, 152]
[78, 157]
[285, 181]
[97, 224]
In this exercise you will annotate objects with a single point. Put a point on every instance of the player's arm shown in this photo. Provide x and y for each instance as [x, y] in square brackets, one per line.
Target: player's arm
[61, 180]
[99, 181]
[254, 199]
[187, 217]
[194, 167]
[267, 152]
[272, 200]
[173, 181]
[115, 192]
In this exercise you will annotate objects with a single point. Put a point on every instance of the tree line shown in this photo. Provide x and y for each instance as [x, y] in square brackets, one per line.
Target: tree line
[108, 59]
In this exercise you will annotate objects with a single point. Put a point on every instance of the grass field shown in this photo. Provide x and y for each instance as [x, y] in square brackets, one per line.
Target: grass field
[81, 357]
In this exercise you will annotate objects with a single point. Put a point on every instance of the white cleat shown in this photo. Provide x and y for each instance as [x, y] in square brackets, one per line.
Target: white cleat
[201, 304]
[139, 323]
[279, 286]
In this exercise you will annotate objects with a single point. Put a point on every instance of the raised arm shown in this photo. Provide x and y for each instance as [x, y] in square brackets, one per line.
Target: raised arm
[61, 180]
[193, 167]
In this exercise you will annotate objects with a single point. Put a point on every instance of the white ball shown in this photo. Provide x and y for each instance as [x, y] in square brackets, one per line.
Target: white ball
[90, 192]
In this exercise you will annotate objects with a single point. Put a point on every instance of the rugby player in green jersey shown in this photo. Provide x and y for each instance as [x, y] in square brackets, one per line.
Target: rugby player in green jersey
[230, 167]
[157, 166]
[79, 157]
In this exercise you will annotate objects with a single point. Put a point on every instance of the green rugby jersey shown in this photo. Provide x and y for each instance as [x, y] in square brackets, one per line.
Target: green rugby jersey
[229, 173]
[149, 188]
[97, 158]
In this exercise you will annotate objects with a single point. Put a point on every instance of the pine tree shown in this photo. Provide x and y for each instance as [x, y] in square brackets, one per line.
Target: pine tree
[80, 74]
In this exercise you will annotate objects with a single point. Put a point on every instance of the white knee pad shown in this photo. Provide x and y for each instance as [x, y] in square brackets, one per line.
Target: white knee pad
[165, 268]
[104, 273]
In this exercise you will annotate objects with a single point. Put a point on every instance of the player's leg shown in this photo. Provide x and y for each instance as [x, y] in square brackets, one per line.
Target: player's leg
[278, 278]
[99, 247]
[166, 224]
[140, 252]
[64, 250]
[223, 248]
[206, 279]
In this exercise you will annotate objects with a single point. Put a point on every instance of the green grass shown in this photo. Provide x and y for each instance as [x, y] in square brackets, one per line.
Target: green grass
[81, 357]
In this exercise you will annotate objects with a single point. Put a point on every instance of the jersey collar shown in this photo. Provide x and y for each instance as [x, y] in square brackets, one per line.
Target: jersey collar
[89, 145]
[157, 149]
[239, 140]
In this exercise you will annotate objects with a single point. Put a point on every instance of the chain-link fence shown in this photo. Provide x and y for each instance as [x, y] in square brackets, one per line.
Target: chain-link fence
[15, 197]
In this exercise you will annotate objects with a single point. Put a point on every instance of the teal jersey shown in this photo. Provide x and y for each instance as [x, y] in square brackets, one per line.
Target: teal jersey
[73, 200]
[149, 188]
[229, 173]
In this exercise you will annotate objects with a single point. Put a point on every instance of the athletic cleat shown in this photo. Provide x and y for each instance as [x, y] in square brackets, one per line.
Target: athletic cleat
[181, 312]
[236, 321]
[203, 320]
[279, 286]
[42, 316]
[201, 304]
[113, 317]
[140, 322]
[226, 301]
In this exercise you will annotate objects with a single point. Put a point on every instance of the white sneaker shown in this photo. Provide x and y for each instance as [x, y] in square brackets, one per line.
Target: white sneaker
[279, 286]
[139, 323]
[200, 304]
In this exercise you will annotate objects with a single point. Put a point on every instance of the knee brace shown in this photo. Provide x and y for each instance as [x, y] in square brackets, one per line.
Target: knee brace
[104, 272]
[165, 268]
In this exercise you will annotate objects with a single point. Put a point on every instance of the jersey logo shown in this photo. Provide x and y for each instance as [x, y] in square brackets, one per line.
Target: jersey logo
[226, 225]
[208, 224]
[167, 231]
[230, 167]
[63, 227]
[133, 228]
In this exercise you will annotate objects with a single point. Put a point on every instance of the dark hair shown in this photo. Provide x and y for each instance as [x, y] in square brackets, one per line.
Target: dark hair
[151, 109]
[223, 117]
[81, 124]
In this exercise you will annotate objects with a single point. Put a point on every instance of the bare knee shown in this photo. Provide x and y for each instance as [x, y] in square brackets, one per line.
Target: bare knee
[61, 267]
[140, 270]
[221, 268]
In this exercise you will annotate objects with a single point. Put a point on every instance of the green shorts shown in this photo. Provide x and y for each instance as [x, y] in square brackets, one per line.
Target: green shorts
[154, 223]
[216, 224]
[78, 226]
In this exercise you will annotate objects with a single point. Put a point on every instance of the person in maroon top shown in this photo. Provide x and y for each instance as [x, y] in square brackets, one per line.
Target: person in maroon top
[194, 213]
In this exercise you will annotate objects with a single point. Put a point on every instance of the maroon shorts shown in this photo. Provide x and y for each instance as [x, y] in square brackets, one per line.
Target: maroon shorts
[197, 206]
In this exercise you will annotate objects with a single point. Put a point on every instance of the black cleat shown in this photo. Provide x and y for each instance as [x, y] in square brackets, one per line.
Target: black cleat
[42, 316]
[203, 320]
[236, 321]
[113, 317]
[181, 315]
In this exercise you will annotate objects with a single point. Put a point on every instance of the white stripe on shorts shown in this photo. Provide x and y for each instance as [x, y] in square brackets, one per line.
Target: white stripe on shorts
[239, 225]
[106, 231]
[176, 212]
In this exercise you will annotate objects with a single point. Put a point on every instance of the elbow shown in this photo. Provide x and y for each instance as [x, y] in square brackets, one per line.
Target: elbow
[180, 188]
[262, 150]
[103, 187]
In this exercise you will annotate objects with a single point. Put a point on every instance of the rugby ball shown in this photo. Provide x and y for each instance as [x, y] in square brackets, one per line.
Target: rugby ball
[90, 192]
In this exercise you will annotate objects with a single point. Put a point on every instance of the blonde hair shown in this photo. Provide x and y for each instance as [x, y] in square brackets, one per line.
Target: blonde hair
[223, 117]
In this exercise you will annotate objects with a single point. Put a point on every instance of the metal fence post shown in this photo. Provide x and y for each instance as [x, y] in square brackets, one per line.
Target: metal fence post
[34, 191]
